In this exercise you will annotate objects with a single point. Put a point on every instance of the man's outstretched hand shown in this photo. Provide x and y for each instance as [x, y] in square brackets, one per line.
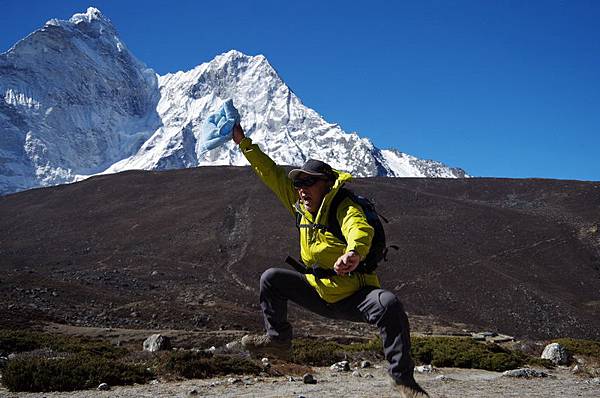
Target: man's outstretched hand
[347, 263]
[238, 134]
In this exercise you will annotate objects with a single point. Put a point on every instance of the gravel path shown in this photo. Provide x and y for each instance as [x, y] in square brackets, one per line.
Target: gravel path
[454, 383]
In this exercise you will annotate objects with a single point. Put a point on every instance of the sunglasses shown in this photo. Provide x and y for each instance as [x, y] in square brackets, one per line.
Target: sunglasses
[305, 182]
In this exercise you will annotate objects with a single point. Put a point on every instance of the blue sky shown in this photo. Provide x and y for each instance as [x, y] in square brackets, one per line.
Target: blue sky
[499, 88]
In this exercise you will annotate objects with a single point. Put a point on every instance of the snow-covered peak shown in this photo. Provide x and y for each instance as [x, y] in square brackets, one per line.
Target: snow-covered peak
[92, 14]
[92, 18]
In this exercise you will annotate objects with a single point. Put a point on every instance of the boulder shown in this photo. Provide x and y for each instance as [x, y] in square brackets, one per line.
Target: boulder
[424, 369]
[157, 342]
[103, 387]
[557, 354]
[525, 373]
[309, 379]
[343, 366]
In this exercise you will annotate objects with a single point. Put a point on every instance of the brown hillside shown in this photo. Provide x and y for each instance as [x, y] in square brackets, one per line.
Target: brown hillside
[185, 249]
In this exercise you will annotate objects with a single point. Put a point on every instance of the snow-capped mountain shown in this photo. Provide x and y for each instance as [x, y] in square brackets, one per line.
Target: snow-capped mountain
[75, 102]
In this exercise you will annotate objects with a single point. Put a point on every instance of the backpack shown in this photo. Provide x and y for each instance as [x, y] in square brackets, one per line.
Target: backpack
[379, 249]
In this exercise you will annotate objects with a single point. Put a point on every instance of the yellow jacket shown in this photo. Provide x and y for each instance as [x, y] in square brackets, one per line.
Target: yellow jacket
[317, 246]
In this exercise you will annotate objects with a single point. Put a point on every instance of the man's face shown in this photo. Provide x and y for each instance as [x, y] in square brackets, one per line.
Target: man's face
[312, 190]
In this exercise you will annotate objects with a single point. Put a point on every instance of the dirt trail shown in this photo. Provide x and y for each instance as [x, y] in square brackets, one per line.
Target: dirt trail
[457, 383]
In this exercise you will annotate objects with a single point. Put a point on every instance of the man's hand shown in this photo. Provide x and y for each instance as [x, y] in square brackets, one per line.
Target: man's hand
[238, 134]
[347, 263]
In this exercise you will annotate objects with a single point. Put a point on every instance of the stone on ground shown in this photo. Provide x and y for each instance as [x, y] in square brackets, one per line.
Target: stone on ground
[157, 342]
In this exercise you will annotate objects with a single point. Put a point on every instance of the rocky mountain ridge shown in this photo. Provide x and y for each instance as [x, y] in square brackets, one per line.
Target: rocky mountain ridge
[76, 102]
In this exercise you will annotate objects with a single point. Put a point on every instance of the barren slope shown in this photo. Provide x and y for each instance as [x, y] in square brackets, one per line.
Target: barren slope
[185, 249]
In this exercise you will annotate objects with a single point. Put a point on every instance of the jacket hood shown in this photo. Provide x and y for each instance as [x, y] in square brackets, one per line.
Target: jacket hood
[342, 178]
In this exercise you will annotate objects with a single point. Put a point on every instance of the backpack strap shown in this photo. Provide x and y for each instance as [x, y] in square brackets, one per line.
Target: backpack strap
[333, 225]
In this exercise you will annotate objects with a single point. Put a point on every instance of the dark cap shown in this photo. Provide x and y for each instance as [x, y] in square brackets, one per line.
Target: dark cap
[314, 168]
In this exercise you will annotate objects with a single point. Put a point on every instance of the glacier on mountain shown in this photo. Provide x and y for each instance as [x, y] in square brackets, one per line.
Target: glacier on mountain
[75, 102]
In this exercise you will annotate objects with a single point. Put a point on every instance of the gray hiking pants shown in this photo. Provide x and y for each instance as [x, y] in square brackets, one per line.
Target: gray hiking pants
[372, 305]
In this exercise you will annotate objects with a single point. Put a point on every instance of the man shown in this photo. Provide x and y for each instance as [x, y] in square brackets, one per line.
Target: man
[345, 295]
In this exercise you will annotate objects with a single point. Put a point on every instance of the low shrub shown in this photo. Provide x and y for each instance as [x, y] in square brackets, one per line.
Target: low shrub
[539, 362]
[16, 341]
[464, 352]
[373, 346]
[199, 365]
[75, 372]
[316, 352]
[456, 352]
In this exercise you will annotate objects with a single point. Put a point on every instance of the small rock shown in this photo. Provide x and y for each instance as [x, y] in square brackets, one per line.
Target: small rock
[154, 273]
[291, 378]
[524, 372]
[309, 379]
[343, 366]
[234, 380]
[157, 342]
[365, 364]
[424, 369]
[103, 387]
[595, 380]
[154, 382]
[557, 354]
[443, 378]
[356, 373]
[576, 369]
[265, 362]
[193, 391]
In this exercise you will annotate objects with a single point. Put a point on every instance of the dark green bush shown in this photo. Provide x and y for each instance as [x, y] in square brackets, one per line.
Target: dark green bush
[438, 351]
[198, 365]
[537, 361]
[12, 341]
[316, 352]
[465, 353]
[75, 372]
[373, 345]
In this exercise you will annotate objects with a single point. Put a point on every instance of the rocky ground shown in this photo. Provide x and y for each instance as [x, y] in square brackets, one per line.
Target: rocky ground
[373, 382]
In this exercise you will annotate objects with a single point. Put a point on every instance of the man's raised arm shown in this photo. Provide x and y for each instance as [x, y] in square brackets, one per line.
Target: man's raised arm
[274, 176]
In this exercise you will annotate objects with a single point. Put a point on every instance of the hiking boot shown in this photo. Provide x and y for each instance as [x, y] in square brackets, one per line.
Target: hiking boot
[265, 346]
[410, 389]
